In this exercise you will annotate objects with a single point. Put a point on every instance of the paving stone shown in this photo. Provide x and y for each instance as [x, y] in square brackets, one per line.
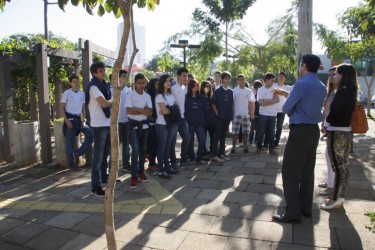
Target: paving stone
[203, 241]
[54, 238]
[247, 244]
[9, 224]
[213, 184]
[67, 219]
[187, 192]
[200, 175]
[280, 232]
[267, 171]
[222, 167]
[40, 216]
[315, 236]
[242, 197]
[255, 212]
[349, 238]
[13, 213]
[92, 225]
[243, 170]
[163, 238]
[284, 246]
[84, 241]
[212, 195]
[24, 233]
[131, 232]
[260, 188]
[253, 178]
[271, 200]
[220, 209]
[231, 186]
[194, 223]
[231, 227]
[163, 220]
[9, 246]
[227, 177]
[192, 205]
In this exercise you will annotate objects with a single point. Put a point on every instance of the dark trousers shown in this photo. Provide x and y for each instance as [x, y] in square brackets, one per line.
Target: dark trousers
[298, 169]
[124, 140]
[221, 128]
[152, 145]
[279, 127]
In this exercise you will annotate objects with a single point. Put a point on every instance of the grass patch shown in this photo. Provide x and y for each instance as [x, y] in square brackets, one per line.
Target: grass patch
[371, 227]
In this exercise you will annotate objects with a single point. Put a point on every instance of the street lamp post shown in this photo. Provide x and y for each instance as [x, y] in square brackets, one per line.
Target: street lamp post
[183, 44]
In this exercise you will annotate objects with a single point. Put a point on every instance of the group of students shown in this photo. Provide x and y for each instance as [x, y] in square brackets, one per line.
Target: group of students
[206, 111]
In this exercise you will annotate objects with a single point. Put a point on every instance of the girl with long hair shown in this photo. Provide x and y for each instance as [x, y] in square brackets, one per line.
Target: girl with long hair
[337, 125]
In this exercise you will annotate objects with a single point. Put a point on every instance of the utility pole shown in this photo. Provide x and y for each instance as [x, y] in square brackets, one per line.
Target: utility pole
[305, 13]
[46, 19]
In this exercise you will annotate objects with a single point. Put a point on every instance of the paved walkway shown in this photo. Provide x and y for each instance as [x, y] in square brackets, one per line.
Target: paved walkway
[217, 206]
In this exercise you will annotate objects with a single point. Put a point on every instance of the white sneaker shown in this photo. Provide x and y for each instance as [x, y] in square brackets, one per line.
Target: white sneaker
[224, 157]
[217, 159]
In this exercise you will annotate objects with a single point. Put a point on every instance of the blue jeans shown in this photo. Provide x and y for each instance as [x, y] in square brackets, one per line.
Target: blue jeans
[266, 127]
[100, 155]
[221, 128]
[138, 142]
[183, 130]
[165, 135]
[201, 136]
[279, 127]
[124, 140]
[69, 143]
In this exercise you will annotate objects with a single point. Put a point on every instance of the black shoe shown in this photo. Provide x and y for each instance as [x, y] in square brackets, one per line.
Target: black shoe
[98, 192]
[282, 219]
[307, 215]
[164, 175]
[171, 171]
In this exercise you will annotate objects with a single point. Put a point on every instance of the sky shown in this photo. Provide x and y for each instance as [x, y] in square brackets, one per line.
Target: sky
[170, 17]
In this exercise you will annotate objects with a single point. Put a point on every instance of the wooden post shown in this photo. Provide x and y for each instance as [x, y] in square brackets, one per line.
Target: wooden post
[305, 13]
[44, 103]
[5, 92]
[58, 95]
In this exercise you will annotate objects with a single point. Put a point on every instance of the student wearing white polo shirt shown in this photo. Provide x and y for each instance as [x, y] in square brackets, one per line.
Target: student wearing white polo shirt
[139, 106]
[267, 113]
[244, 110]
[71, 105]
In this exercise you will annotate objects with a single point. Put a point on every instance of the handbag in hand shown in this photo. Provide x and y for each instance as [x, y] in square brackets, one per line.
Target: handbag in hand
[358, 122]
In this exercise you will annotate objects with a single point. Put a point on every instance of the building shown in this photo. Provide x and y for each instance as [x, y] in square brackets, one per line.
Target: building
[140, 39]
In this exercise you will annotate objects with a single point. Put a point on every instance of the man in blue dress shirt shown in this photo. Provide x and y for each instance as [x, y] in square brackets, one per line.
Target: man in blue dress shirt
[304, 108]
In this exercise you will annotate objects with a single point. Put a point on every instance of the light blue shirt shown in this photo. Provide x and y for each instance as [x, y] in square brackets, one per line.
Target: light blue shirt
[305, 101]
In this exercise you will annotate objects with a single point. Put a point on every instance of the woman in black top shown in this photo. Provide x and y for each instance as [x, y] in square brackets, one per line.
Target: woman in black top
[194, 115]
[209, 115]
[338, 129]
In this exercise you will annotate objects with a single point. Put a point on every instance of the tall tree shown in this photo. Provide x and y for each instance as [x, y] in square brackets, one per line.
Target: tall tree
[124, 9]
[357, 44]
[222, 12]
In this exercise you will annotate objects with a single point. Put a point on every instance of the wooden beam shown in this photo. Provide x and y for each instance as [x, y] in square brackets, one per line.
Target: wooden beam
[64, 53]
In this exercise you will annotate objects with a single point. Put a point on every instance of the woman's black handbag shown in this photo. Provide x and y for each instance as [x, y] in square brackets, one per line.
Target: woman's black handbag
[175, 114]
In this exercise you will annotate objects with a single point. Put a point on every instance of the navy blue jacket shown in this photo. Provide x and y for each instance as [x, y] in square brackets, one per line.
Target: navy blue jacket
[223, 99]
[194, 110]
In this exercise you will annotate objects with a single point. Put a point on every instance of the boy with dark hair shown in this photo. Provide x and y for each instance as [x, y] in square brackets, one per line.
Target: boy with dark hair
[71, 105]
[244, 108]
[267, 113]
[139, 106]
[222, 104]
[99, 100]
[283, 93]
[179, 91]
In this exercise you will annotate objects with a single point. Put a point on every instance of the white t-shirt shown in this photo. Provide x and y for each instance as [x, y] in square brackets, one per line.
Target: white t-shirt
[264, 93]
[162, 99]
[122, 112]
[73, 101]
[97, 116]
[179, 93]
[242, 97]
[282, 98]
[135, 100]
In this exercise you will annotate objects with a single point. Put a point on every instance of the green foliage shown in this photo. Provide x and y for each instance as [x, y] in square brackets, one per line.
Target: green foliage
[371, 227]
[148, 73]
[2, 4]
[167, 64]
[23, 76]
[106, 6]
